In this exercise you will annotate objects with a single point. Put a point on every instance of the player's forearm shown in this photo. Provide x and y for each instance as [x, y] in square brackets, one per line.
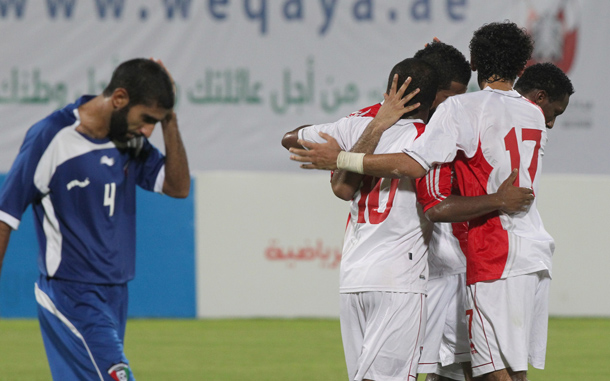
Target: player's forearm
[392, 165]
[177, 175]
[5, 233]
[368, 141]
[345, 184]
[461, 208]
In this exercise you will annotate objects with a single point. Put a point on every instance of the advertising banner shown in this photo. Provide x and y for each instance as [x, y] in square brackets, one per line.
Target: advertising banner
[249, 70]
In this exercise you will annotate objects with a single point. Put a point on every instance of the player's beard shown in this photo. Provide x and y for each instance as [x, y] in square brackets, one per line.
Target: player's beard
[118, 124]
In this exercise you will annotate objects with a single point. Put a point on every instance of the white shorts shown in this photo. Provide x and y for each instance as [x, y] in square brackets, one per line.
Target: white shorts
[452, 371]
[382, 334]
[508, 322]
[446, 340]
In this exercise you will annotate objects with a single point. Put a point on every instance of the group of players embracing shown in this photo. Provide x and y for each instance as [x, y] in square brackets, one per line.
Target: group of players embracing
[446, 264]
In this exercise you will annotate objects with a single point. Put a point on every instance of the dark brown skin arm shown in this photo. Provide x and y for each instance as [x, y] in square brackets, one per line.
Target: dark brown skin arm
[177, 175]
[508, 199]
[290, 138]
[5, 233]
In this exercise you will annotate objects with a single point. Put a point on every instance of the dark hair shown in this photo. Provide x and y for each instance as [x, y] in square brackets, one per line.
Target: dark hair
[547, 77]
[449, 63]
[145, 81]
[500, 50]
[423, 76]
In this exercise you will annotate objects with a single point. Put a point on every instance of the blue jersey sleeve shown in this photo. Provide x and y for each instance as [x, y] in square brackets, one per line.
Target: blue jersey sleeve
[19, 190]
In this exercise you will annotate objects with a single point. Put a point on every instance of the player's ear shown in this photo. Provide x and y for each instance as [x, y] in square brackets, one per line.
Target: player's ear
[120, 98]
[541, 95]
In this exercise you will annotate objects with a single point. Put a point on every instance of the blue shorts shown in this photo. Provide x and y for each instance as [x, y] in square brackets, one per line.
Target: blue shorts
[83, 328]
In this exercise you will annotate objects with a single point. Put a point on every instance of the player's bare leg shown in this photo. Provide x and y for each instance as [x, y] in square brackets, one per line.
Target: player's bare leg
[518, 376]
[502, 375]
[436, 377]
[467, 368]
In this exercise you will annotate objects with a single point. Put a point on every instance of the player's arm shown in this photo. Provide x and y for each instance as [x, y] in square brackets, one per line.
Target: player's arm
[290, 138]
[346, 183]
[326, 155]
[5, 233]
[508, 199]
[177, 181]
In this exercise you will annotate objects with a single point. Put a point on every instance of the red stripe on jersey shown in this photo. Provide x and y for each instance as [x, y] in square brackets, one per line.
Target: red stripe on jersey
[487, 250]
[367, 111]
[420, 129]
[460, 231]
[435, 186]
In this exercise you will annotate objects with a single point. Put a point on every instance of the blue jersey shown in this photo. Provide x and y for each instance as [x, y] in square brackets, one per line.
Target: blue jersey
[82, 192]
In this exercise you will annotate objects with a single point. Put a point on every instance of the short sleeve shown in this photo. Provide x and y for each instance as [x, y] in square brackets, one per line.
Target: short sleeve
[448, 131]
[339, 130]
[435, 187]
[150, 167]
[18, 190]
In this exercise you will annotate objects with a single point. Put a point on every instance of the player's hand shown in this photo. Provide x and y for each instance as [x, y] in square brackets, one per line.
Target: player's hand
[317, 155]
[435, 39]
[393, 107]
[167, 71]
[514, 199]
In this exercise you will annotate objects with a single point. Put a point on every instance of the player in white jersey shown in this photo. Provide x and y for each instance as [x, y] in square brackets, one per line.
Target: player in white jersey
[384, 268]
[509, 257]
[549, 88]
[453, 71]
[448, 352]
[446, 323]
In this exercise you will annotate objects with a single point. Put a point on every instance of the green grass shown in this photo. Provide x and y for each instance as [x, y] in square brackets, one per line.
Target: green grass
[271, 349]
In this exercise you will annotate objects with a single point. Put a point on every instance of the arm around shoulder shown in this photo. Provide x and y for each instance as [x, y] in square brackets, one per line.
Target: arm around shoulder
[392, 165]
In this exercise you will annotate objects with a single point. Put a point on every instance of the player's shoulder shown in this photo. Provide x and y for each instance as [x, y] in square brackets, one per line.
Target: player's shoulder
[46, 129]
[367, 112]
[523, 106]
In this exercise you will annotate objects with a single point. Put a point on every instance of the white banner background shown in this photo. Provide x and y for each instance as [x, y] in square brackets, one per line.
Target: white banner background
[249, 70]
[267, 244]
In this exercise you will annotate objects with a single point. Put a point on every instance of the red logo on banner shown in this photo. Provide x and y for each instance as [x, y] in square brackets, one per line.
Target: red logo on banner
[555, 32]
[327, 257]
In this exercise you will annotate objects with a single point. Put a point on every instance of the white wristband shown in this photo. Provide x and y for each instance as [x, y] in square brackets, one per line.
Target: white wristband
[351, 161]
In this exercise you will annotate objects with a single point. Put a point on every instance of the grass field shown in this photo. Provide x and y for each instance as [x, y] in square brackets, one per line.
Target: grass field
[270, 349]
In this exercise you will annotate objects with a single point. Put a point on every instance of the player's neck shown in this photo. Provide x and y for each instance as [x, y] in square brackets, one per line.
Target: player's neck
[94, 120]
[498, 83]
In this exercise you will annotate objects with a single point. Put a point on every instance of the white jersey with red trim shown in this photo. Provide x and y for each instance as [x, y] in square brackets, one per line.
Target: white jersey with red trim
[386, 239]
[448, 243]
[494, 131]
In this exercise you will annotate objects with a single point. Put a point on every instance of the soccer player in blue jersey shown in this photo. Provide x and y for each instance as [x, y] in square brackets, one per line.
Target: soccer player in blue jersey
[79, 168]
